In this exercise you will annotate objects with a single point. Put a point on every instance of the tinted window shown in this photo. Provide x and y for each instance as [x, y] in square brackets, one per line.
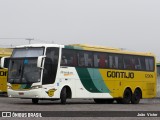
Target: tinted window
[100, 60]
[115, 61]
[149, 64]
[138, 63]
[129, 62]
[106, 60]
[133, 62]
[50, 65]
[85, 59]
[68, 58]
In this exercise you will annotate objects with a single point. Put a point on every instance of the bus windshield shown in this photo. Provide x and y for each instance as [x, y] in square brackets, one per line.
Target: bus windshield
[24, 71]
[23, 65]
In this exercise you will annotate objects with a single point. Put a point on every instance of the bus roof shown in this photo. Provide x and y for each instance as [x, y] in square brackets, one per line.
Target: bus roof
[39, 45]
[5, 52]
[90, 47]
[106, 49]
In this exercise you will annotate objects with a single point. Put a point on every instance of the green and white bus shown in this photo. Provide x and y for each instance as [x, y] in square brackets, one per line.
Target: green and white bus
[53, 72]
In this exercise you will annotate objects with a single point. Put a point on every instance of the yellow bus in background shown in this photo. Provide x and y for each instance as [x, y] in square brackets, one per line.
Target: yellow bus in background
[158, 69]
[158, 79]
[3, 72]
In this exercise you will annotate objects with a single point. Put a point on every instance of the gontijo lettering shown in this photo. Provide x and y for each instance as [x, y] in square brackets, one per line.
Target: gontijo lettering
[116, 74]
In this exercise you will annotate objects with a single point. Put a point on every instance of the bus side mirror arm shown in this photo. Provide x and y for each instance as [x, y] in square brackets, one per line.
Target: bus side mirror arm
[3, 65]
[40, 61]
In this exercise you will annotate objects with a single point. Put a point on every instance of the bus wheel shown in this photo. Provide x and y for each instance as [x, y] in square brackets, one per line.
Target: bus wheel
[63, 96]
[35, 100]
[127, 95]
[136, 96]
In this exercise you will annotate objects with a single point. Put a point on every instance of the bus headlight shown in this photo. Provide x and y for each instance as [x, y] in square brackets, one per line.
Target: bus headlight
[36, 87]
[9, 87]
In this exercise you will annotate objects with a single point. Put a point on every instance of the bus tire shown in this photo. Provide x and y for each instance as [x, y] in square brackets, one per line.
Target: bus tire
[137, 95]
[63, 96]
[35, 100]
[127, 95]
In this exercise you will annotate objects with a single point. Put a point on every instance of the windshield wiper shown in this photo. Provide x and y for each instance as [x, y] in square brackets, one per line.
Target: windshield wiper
[20, 70]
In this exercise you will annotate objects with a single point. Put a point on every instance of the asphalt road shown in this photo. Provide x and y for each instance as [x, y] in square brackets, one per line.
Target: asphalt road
[16, 104]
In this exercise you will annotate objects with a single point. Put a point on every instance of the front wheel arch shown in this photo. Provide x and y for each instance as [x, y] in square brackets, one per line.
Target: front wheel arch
[69, 92]
[65, 93]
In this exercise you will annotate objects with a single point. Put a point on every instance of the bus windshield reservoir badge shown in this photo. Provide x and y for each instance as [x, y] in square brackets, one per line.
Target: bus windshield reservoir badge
[66, 73]
[50, 92]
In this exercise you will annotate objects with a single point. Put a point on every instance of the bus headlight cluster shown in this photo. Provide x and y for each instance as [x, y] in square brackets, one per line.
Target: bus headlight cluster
[37, 86]
[9, 87]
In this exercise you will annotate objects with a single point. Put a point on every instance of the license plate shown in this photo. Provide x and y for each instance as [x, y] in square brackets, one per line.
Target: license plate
[21, 93]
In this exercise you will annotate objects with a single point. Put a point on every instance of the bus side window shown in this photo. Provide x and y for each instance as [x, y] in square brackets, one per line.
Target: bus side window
[85, 59]
[103, 60]
[143, 65]
[68, 58]
[115, 61]
[128, 62]
[88, 59]
[102, 63]
[137, 63]
[120, 62]
[149, 64]
[132, 62]
[81, 61]
[96, 59]
[110, 62]
[63, 60]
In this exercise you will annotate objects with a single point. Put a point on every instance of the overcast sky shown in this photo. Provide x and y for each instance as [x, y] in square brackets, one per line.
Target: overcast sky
[129, 24]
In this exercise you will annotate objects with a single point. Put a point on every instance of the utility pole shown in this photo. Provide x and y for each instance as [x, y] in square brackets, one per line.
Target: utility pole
[29, 39]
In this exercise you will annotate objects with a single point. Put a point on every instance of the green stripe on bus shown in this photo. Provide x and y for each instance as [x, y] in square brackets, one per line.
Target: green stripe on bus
[87, 80]
[98, 80]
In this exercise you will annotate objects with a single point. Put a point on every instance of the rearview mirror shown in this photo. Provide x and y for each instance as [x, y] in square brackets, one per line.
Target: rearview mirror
[5, 62]
[40, 61]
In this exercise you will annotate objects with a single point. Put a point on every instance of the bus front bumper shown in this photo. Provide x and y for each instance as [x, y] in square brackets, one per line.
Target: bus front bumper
[34, 93]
